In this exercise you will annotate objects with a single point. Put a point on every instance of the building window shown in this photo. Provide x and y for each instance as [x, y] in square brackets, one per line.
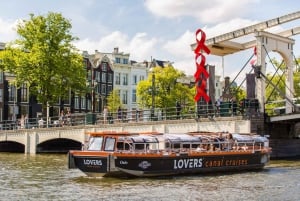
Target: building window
[104, 66]
[142, 77]
[103, 89]
[83, 102]
[76, 102]
[97, 77]
[118, 78]
[125, 79]
[118, 60]
[109, 89]
[125, 61]
[103, 77]
[124, 97]
[12, 93]
[134, 80]
[98, 88]
[134, 96]
[109, 78]
[24, 93]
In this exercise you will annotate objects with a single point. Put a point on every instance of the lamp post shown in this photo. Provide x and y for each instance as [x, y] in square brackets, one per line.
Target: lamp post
[14, 107]
[152, 95]
[93, 89]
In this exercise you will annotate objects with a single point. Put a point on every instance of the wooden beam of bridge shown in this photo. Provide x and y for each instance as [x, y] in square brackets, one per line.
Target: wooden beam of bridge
[221, 45]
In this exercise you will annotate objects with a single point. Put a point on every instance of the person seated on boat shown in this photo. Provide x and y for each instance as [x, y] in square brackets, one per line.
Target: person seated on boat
[210, 147]
[229, 142]
[200, 148]
[219, 142]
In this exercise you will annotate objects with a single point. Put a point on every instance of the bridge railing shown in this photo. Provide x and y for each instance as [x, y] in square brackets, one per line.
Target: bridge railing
[226, 109]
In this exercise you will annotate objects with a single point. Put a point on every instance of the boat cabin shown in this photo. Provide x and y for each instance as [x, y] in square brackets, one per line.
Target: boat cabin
[155, 142]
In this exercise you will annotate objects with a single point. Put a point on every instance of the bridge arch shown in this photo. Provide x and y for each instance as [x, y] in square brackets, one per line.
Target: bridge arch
[58, 145]
[12, 146]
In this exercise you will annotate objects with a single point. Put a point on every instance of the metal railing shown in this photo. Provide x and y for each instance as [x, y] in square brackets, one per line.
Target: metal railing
[226, 109]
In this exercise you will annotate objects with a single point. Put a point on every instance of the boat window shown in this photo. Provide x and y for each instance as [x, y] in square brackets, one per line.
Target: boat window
[139, 146]
[109, 144]
[95, 143]
[120, 145]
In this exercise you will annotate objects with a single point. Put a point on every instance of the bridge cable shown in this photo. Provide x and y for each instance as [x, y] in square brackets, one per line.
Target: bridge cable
[297, 64]
[280, 79]
[280, 76]
[275, 73]
[225, 89]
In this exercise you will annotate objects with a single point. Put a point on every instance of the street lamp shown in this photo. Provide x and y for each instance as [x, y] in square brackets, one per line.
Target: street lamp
[93, 89]
[152, 96]
[151, 69]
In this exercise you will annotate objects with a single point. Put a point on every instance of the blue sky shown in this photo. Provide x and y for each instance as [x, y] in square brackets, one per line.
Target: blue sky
[161, 29]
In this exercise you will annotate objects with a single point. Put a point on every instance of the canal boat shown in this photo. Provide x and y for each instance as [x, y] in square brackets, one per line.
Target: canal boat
[160, 154]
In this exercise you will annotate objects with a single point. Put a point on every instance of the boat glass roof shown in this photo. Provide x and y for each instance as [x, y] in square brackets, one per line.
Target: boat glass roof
[173, 138]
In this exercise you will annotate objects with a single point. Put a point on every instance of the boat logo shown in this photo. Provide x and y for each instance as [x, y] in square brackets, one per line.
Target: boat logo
[123, 162]
[144, 164]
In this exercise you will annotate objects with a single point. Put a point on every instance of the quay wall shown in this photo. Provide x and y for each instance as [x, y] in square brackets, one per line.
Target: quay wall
[285, 148]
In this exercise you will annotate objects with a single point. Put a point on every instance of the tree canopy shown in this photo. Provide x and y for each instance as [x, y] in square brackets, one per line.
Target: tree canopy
[44, 58]
[167, 89]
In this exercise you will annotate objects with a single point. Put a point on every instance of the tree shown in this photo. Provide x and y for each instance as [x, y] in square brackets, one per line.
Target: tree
[167, 89]
[114, 101]
[44, 58]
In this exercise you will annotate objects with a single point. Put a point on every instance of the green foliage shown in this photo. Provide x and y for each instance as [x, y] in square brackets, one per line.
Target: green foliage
[272, 95]
[239, 93]
[44, 58]
[114, 101]
[167, 90]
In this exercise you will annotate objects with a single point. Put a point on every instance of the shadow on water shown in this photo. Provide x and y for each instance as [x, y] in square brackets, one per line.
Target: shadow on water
[274, 168]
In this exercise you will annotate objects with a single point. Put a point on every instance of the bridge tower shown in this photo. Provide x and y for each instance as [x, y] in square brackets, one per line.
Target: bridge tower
[266, 42]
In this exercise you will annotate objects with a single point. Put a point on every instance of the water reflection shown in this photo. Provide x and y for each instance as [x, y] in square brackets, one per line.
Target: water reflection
[46, 177]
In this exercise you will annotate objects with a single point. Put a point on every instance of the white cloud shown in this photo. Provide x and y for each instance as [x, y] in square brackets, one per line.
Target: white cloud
[7, 30]
[205, 11]
[140, 47]
[181, 46]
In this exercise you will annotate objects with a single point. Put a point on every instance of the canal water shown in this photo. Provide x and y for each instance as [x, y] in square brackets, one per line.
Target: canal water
[46, 177]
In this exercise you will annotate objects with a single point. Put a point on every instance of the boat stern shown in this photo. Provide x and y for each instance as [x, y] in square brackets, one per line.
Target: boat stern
[71, 161]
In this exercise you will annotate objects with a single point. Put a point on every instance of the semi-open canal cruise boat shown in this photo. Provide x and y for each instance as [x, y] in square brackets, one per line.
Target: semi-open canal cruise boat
[158, 154]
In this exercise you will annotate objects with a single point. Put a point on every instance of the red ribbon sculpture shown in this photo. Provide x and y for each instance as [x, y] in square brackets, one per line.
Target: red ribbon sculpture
[201, 74]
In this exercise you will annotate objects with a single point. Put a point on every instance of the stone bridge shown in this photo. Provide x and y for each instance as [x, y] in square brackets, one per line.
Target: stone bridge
[32, 138]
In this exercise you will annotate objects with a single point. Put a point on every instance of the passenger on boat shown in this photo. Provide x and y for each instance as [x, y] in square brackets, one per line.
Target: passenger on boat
[201, 148]
[229, 142]
[219, 141]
